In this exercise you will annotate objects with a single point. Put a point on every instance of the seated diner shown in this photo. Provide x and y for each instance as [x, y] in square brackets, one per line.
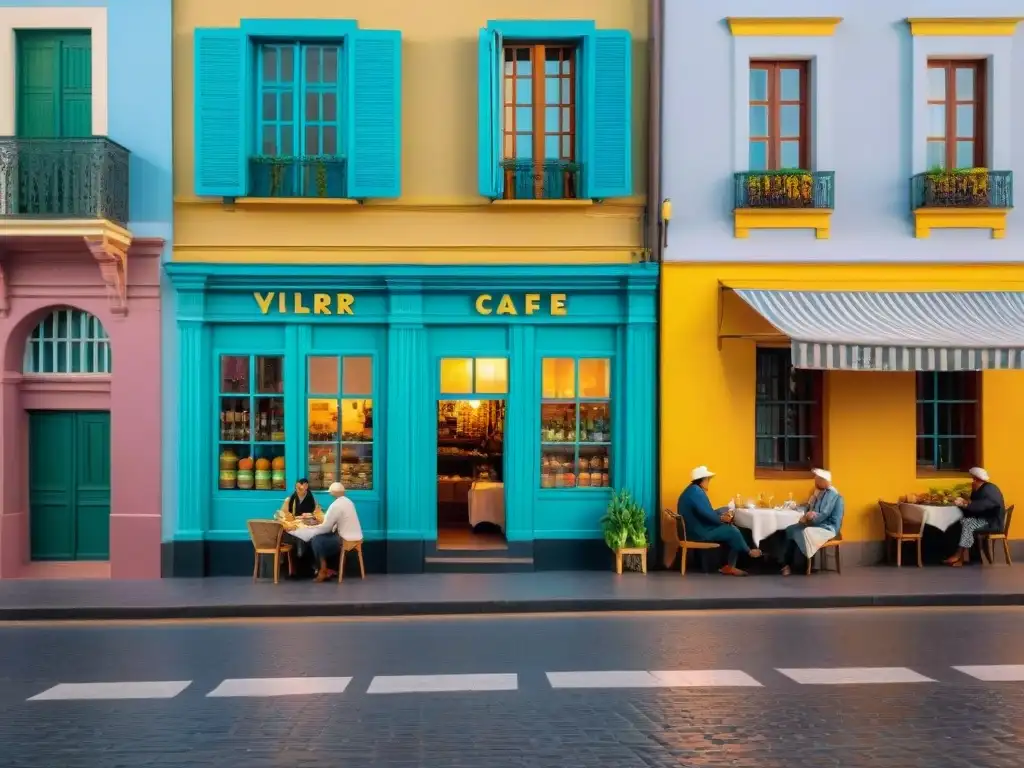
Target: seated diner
[705, 523]
[819, 524]
[985, 512]
[340, 525]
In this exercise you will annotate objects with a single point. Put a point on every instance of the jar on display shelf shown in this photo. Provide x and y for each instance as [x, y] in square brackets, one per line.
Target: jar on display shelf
[228, 470]
[595, 479]
[277, 477]
[569, 480]
[547, 480]
[584, 479]
[263, 476]
[245, 476]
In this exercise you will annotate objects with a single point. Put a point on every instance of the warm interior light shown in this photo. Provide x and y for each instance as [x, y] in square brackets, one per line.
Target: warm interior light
[474, 404]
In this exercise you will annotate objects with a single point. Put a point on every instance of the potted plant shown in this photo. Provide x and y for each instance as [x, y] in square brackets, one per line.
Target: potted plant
[957, 187]
[781, 189]
[624, 527]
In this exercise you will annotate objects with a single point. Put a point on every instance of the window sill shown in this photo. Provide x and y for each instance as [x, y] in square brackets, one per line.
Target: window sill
[818, 219]
[542, 203]
[783, 474]
[296, 202]
[927, 219]
[942, 474]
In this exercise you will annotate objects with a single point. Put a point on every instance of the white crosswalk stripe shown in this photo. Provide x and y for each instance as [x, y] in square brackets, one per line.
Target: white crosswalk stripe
[279, 686]
[855, 675]
[164, 689]
[707, 678]
[995, 673]
[442, 683]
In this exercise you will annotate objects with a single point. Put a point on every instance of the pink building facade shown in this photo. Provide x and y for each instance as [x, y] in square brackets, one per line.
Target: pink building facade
[56, 516]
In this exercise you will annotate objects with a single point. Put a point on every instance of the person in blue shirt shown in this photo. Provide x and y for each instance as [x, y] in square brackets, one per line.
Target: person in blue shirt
[822, 521]
[705, 523]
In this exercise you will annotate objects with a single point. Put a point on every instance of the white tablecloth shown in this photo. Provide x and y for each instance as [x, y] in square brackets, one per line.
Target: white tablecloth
[762, 523]
[937, 517]
[487, 504]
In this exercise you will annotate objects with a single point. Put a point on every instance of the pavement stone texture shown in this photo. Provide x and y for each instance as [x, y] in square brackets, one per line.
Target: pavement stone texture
[885, 688]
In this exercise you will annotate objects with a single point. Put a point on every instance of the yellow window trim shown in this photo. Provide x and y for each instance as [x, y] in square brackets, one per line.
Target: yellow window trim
[966, 26]
[818, 219]
[927, 219]
[783, 26]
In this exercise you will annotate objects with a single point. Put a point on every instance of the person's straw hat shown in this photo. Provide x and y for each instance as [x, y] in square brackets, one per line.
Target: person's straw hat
[699, 473]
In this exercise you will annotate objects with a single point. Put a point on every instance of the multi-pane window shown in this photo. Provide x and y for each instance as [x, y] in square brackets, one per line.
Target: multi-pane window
[68, 341]
[575, 422]
[947, 420]
[339, 406]
[787, 413]
[251, 429]
[539, 122]
[956, 114]
[474, 376]
[779, 116]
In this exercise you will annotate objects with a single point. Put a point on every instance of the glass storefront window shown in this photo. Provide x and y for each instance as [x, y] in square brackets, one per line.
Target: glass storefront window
[474, 376]
[339, 408]
[251, 431]
[575, 423]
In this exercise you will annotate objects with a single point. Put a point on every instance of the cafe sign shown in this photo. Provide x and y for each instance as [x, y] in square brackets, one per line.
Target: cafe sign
[527, 304]
[295, 303]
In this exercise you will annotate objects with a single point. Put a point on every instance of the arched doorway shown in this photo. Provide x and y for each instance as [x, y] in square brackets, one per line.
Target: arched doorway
[68, 439]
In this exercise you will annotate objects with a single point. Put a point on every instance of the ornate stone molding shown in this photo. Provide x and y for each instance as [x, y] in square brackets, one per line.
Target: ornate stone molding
[110, 250]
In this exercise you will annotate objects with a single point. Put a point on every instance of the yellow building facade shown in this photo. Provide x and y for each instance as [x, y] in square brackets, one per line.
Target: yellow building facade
[406, 260]
[709, 342]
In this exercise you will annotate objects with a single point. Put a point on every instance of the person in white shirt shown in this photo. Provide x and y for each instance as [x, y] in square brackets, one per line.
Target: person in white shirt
[341, 524]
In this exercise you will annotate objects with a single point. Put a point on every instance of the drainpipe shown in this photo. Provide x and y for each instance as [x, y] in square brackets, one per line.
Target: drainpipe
[652, 235]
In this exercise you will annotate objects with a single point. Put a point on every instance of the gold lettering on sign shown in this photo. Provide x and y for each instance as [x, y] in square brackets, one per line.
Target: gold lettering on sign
[345, 301]
[532, 302]
[282, 307]
[300, 308]
[558, 305]
[263, 302]
[481, 304]
[321, 303]
[506, 307]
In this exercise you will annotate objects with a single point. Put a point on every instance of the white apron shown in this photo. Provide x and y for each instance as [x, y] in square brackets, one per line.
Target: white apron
[812, 540]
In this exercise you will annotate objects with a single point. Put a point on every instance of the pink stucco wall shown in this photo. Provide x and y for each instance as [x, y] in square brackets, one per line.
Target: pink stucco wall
[39, 276]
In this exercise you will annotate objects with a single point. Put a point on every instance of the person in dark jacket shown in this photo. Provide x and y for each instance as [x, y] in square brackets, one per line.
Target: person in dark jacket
[986, 511]
[705, 523]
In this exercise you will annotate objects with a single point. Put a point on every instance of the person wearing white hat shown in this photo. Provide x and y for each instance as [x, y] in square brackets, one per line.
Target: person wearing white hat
[705, 523]
[821, 522]
[986, 511]
[341, 524]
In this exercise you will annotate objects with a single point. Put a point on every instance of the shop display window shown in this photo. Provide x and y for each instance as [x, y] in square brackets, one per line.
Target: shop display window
[339, 406]
[575, 423]
[251, 423]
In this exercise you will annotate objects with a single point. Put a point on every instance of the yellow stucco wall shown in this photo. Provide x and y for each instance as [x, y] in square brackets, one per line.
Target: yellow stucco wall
[707, 400]
[440, 216]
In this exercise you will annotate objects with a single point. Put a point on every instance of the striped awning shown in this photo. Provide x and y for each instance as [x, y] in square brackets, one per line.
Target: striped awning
[883, 331]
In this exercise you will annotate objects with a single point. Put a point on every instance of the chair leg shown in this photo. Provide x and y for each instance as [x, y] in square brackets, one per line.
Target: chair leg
[1006, 551]
[920, 562]
[291, 564]
[839, 561]
[991, 551]
[255, 566]
[362, 568]
[277, 565]
[341, 564]
[899, 553]
[682, 561]
[810, 562]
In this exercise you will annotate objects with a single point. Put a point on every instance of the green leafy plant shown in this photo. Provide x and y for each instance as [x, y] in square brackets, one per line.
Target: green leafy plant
[957, 187]
[793, 188]
[624, 523]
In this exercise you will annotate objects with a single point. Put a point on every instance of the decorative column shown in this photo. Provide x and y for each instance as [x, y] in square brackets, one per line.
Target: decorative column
[410, 466]
[195, 436]
[297, 338]
[522, 434]
[636, 443]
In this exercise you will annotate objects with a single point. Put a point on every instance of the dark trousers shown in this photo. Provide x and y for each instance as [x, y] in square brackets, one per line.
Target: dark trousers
[325, 546]
[728, 536]
[792, 556]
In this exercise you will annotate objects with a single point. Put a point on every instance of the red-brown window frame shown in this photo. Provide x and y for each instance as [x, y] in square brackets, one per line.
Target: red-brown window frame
[950, 102]
[774, 102]
[538, 53]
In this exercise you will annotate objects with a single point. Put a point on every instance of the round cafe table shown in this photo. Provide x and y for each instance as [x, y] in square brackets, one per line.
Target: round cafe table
[942, 518]
[762, 523]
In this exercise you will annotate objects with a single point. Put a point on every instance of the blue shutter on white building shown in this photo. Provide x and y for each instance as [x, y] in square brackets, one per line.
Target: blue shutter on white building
[221, 146]
[608, 163]
[374, 143]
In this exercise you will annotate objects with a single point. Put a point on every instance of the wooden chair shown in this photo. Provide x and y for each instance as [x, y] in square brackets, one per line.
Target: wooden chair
[685, 545]
[266, 540]
[351, 546]
[896, 530]
[986, 541]
[833, 544]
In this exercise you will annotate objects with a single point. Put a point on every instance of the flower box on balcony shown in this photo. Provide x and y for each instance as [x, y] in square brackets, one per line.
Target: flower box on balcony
[296, 176]
[541, 179]
[963, 188]
[793, 188]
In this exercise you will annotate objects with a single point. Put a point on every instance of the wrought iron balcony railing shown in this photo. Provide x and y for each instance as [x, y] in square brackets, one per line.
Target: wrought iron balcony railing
[784, 189]
[541, 179]
[83, 178]
[293, 176]
[962, 188]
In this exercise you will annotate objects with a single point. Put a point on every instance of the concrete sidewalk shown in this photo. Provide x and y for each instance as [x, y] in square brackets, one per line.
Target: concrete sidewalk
[541, 592]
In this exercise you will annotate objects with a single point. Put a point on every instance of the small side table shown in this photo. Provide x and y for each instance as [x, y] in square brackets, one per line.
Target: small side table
[641, 551]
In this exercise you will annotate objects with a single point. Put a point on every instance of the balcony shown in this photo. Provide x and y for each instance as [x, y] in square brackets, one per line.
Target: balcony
[541, 180]
[791, 199]
[961, 198]
[320, 176]
[64, 179]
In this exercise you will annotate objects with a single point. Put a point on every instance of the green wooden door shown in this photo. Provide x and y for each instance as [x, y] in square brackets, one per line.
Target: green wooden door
[69, 485]
[54, 95]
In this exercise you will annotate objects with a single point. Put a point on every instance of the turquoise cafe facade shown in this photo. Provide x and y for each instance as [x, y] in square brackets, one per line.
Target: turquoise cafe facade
[261, 347]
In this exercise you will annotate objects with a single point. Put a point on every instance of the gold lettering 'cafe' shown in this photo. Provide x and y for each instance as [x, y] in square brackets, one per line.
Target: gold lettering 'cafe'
[490, 408]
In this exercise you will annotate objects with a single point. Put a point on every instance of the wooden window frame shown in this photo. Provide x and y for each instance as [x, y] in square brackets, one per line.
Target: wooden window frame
[951, 102]
[817, 414]
[774, 102]
[538, 53]
[973, 455]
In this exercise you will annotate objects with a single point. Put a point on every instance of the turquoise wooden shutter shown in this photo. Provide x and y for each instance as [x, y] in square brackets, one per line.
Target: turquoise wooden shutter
[608, 164]
[221, 143]
[374, 149]
[490, 177]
